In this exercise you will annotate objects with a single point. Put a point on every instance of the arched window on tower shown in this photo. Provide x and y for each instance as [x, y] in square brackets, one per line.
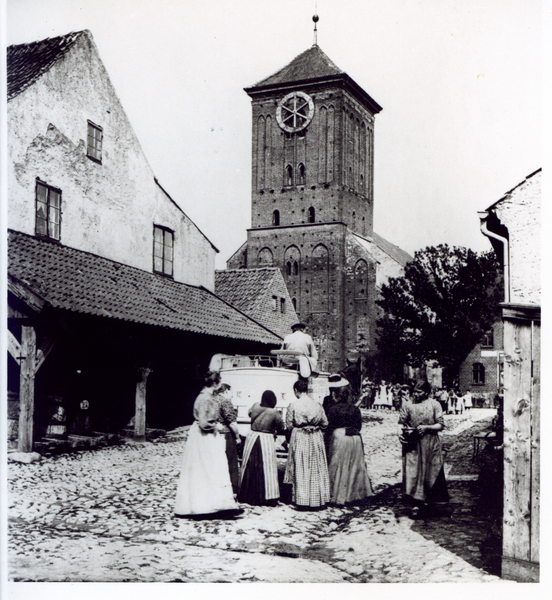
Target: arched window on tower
[301, 174]
[288, 268]
[295, 268]
[276, 217]
[311, 214]
[289, 175]
[294, 302]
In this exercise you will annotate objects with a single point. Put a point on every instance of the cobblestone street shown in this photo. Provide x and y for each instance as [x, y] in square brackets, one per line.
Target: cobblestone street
[106, 516]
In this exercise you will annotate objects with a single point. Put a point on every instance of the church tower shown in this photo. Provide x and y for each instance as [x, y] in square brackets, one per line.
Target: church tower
[312, 199]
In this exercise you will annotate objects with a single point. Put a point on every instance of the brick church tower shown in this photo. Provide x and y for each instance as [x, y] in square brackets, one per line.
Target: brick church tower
[312, 202]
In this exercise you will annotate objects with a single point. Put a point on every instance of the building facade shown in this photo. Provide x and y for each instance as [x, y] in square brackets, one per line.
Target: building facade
[312, 202]
[112, 314]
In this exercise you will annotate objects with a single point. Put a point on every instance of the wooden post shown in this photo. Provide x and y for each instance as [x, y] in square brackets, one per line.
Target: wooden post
[140, 415]
[520, 533]
[26, 388]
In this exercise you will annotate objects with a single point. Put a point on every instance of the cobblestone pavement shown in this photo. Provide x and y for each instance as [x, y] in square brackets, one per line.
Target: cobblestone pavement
[106, 516]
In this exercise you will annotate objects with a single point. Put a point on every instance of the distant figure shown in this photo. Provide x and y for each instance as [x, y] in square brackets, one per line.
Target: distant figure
[204, 488]
[307, 468]
[349, 481]
[259, 471]
[423, 473]
[299, 341]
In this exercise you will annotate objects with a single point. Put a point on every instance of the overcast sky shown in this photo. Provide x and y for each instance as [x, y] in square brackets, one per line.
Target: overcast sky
[459, 83]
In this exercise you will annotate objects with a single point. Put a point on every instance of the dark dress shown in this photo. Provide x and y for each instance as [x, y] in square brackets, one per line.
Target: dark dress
[259, 472]
[349, 481]
[227, 415]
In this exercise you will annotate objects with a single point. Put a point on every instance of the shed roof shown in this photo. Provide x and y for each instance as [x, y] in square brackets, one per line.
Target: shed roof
[80, 282]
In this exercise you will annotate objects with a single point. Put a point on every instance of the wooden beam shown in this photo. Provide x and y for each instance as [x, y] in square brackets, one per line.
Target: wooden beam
[14, 347]
[516, 539]
[535, 447]
[23, 293]
[26, 388]
[140, 415]
[45, 349]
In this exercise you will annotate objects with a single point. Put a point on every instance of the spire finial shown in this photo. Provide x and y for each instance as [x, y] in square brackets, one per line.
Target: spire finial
[315, 18]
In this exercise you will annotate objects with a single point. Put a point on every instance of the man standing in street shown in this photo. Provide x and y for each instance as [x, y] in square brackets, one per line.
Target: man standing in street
[301, 342]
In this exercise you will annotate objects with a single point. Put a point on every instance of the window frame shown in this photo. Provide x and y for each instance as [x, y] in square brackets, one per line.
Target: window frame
[489, 335]
[478, 373]
[94, 127]
[50, 188]
[165, 230]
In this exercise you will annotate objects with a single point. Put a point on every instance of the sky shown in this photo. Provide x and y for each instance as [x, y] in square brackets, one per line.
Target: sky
[459, 83]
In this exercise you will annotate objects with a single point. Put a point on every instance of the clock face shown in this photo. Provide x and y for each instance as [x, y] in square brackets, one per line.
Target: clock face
[295, 111]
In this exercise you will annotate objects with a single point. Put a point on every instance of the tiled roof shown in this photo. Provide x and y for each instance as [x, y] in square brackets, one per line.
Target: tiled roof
[398, 254]
[27, 62]
[251, 291]
[84, 283]
[311, 64]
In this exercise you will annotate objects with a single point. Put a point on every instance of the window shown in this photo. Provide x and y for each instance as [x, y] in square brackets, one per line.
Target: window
[288, 268]
[48, 211]
[488, 341]
[163, 243]
[295, 268]
[289, 175]
[276, 217]
[294, 302]
[274, 303]
[283, 305]
[301, 174]
[311, 214]
[94, 146]
[478, 373]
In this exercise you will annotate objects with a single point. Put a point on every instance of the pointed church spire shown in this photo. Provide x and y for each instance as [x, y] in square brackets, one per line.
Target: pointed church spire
[315, 19]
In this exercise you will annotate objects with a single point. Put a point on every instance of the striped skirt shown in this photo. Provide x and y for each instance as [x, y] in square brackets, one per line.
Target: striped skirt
[259, 471]
[307, 468]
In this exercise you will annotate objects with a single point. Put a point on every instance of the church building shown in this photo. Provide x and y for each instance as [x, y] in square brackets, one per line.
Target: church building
[312, 202]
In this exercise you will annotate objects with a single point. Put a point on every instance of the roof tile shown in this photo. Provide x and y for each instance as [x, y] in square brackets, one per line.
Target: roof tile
[80, 282]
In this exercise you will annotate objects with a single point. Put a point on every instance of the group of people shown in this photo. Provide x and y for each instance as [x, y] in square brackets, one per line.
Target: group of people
[325, 463]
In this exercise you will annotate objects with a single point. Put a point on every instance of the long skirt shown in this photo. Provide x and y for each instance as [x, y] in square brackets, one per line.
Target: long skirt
[423, 472]
[204, 486]
[232, 457]
[259, 472]
[349, 479]
[307, 468]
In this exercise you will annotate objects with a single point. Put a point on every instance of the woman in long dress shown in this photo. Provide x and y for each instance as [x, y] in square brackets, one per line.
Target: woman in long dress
[228, 420]
[423, 473]
[307, 468]
[349, 481]
[204, 488]
[259, 471]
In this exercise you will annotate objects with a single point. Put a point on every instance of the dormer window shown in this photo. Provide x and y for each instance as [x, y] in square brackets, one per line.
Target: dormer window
[94, 145]
[163, 250]
[48, 211]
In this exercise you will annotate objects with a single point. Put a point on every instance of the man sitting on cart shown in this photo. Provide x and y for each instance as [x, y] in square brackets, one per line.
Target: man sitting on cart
[302, 350]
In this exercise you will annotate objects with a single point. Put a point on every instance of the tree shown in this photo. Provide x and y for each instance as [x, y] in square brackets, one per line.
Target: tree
[446, 301]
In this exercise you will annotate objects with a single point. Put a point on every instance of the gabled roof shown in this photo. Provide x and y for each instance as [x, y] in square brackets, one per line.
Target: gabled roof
[27, 62]
[84, 283]
[251, 291]
[311, 64]
[399, 255]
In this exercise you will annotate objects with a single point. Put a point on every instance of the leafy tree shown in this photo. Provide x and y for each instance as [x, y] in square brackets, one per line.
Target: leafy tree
[442, 306]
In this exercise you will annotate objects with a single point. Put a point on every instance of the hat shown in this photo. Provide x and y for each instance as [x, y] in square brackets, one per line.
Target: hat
[298, 326]
[335, 381]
